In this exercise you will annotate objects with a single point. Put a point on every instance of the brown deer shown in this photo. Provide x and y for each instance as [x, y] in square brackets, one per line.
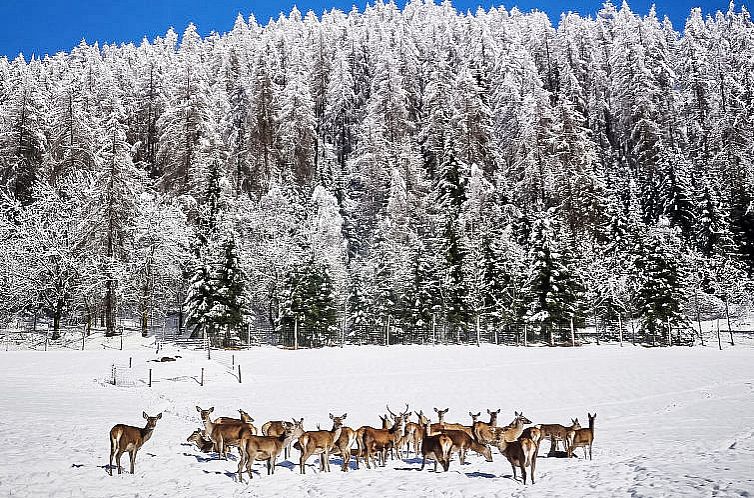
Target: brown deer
[360, 451]
[202, 441]
[414, 434]
[265, 448]
[582, 437]
[128, 438]
[436, 447]
[405, 415]
[277, 427]
[462, 442]
[521, 452]
[483, 431]
[224, 435]
[509, 433]
[440, 424]
[380, 441]
[319, 443]
[557, 432]
[345, 441]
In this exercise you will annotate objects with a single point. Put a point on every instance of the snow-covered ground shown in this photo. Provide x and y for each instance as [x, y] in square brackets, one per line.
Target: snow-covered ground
[671, 421]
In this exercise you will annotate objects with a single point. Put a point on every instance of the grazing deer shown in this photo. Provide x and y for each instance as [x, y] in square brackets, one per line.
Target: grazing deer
[128, 438]
[436, 447]
[202, 441]
[345, 441]
[265, 448]
[319, 443]
[582, 437]
[224, 435]
[521, 452]
[381, 440]
[557, 432]
[277, 427]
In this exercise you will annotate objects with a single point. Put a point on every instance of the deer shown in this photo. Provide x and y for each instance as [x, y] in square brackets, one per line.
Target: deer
[277, 427]
[381, 440]
[319, 443]
[436, 447]
[360, 451]
[462, 442]
[440, 420]
[509, 433]
[224, 435]
[345, 441]
[582, 437]
[521, 452]
[557, 432]
[405, 415]
[128, 438]
[483, 431]
[414, 433]
[202, 441]
[265, 448]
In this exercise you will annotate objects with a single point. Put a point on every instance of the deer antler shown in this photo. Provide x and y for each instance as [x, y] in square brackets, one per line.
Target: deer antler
[390, 411]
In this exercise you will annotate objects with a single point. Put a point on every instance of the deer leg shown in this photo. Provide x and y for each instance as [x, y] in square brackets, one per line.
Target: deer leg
[132, 458]
[117, 459]
[553, 445]
[113, 445]
[590, 451]
[424, 461]
[302, 462]
[533, 466]
[513, 466]
[345, 453]
[242, 462]
[435, 463]
[523, 472]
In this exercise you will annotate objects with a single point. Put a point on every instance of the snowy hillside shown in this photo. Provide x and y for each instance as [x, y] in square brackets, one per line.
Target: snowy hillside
[671, 421]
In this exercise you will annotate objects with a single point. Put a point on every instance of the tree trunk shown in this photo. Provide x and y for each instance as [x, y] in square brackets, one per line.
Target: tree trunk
[56, 315]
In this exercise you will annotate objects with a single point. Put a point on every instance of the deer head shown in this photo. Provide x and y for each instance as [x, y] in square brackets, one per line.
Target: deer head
[337, 421]
[204, 414]
[423, 420]
[245, 417]
[474, 417]
[151, 421]
[493, 416]
[521, 417]
[441, 414]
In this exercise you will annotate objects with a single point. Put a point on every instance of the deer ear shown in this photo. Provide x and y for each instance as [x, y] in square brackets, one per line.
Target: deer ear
[344, 416]
[438, 411]
[159, 416]
[144, 414]
[211, 409]
[198, 409]
[331, 417]
[489, 412]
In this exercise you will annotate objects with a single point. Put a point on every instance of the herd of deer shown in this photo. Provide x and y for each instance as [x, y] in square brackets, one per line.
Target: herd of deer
[436, 441]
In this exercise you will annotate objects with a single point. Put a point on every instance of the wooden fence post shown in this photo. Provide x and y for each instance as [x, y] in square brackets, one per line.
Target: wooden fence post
[150, 377]
[670, 336]
[620, 330]
[239, 373]
[719, 340]
[727, 317]
[201, 381]
[525, 338]
[295, 333]
[387, 332]
[129, 361]
[698, 315]
[434, 328]
[478, 333]
[573, 334]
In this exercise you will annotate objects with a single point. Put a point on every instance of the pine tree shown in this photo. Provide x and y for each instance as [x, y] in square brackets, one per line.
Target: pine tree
[231, 307]
[659, 297]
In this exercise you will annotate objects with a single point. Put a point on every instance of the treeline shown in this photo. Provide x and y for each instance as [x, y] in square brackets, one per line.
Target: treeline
[405, 165]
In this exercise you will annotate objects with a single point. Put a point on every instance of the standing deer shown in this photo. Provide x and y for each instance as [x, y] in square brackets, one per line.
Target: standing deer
[462, 442]
[582, 437]
[436, 447]
[277, 427]
[128, 438]
[557, 432]
[381, 440]
[319, 443]
[225, 435]
[414, 434]
[509, 433]
[361, 451]
[440, 420]
[265, 448]
[405, 416]
[483, 431]
[345, 441]
[521, 452]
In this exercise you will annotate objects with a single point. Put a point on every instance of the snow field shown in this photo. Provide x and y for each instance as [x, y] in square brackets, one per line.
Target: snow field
[671, 421]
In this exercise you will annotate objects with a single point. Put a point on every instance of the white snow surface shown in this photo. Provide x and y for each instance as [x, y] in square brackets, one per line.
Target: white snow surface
[671, 421]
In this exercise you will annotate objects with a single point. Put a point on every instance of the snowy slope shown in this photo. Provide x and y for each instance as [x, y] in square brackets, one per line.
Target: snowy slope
[670, 421]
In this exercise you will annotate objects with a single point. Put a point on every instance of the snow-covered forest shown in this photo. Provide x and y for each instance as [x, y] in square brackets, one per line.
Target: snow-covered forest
[407, 166]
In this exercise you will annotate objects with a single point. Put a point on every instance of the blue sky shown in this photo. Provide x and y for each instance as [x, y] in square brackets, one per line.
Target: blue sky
[49, 26]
